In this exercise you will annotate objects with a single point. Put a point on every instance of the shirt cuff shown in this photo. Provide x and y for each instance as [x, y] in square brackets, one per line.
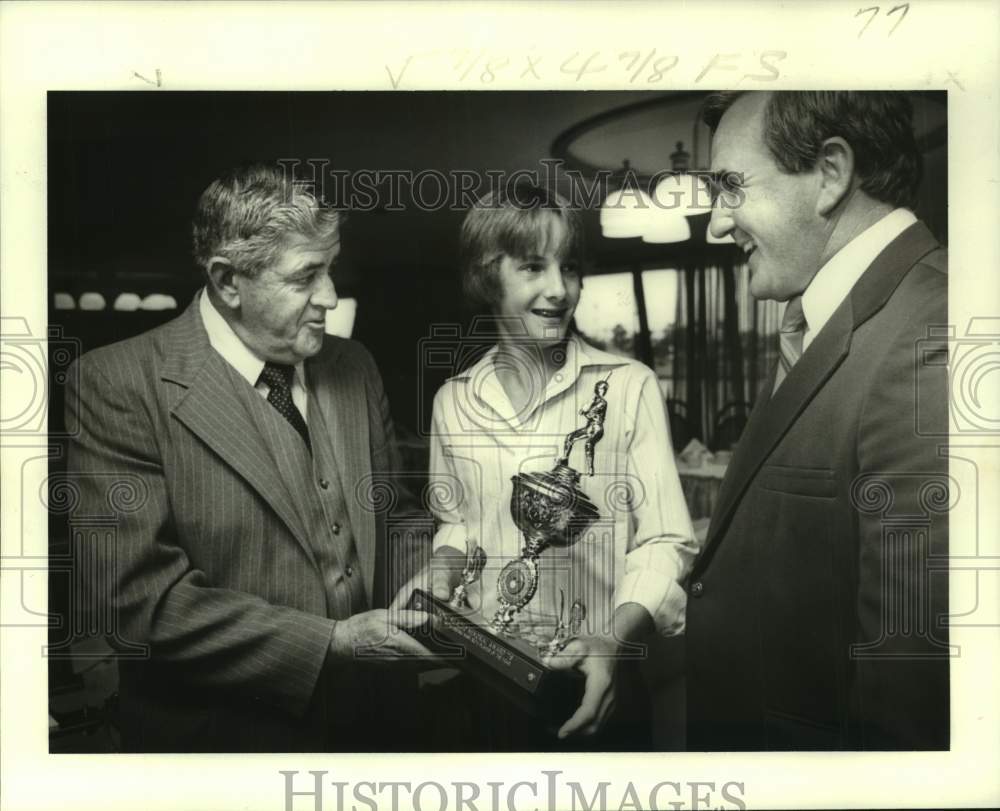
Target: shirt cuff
[661, 596]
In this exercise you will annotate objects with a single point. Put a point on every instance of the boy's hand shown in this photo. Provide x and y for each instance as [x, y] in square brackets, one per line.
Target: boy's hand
[595, 657]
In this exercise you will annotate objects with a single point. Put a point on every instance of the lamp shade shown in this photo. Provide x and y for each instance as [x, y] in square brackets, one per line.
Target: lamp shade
[621, 230]
[127, 303]
[64, 301]
[92, 301]
[712, 240]
[158, 301]
[683, 194]
[340, 320]
[625, 213]
[667, 226]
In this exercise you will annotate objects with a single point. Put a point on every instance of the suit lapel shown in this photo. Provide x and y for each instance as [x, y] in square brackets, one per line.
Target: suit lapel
[338, 391]
[774, 415]
[290, 459]
[217, 407]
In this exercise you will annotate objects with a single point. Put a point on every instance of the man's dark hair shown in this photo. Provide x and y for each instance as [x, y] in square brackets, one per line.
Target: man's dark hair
[877, 125]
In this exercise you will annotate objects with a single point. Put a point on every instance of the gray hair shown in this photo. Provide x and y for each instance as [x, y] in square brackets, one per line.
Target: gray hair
[247, 214]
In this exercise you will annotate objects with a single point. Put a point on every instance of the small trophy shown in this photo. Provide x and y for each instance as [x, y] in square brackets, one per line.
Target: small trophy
[577, 614]
[564, 632]
[470, 574]
[549, 509]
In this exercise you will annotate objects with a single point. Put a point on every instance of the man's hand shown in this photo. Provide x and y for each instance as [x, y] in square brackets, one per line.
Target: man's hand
[439, 577]
[380, 636]
[438, 581]
[595, 657]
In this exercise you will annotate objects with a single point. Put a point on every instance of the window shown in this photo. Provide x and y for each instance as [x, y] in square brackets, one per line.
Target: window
[659, 288]
[607, 314]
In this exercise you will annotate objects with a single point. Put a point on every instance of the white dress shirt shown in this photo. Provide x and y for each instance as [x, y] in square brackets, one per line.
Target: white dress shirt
[831, 285]
[238, 355]
[643, 544]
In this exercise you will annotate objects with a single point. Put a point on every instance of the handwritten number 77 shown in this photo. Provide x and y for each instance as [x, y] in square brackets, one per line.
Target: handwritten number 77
[874, 10]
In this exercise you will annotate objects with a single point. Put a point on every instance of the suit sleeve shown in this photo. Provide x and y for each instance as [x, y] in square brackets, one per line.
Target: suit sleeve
[385, 450]
[143, 583]
[901, 691]
[411, 521]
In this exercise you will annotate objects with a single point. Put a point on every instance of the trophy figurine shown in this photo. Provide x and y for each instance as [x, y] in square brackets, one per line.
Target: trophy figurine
[550, 510]
[470, 574]
[577, 614]
[564, 633]
[592, 432]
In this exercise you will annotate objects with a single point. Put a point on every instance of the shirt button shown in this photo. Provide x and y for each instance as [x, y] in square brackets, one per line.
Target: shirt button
[324, 484]
[349, 570]
[697, 589]
[336, 528]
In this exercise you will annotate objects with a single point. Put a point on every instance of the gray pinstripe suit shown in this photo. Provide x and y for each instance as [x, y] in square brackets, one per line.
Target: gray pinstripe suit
[216, 572]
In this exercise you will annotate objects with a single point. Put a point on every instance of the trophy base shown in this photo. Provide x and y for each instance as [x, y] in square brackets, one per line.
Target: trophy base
[509, 666]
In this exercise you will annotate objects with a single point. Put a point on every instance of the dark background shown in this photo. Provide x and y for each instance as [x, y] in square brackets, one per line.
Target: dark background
[126, 169]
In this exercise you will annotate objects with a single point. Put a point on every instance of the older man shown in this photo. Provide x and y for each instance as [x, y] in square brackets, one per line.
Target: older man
[249, 564]
[820, 597]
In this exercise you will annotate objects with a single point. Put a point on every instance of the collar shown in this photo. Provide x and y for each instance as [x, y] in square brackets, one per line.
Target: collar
[487, 388]
[831, 285]
[228, 344]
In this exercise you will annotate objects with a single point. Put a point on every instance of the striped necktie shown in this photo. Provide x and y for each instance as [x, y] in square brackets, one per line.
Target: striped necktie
[278, 377]
[790, 335]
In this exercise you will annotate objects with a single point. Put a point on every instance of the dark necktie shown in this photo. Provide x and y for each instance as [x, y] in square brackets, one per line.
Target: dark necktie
[790, 335]
[278, 377]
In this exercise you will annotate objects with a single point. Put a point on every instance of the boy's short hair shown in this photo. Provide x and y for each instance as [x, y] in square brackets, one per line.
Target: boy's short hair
[512, 224]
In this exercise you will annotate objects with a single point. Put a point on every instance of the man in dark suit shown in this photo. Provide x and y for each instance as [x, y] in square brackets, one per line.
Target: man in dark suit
[817, 609]
[250, 556]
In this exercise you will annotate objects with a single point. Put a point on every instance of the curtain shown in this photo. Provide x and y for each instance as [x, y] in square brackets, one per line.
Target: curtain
[724, 344]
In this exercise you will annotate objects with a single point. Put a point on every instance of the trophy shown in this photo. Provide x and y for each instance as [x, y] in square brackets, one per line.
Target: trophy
[564, 632]
[470, 574]
[550, 510]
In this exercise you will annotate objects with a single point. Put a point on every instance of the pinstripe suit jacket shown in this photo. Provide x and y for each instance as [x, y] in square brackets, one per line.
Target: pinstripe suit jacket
[210, 567]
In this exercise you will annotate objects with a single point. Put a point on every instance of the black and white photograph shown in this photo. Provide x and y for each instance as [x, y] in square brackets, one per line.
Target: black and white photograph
[519, 354]
[630, 418]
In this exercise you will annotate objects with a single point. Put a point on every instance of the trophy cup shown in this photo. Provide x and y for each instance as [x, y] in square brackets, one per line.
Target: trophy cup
[550, 510]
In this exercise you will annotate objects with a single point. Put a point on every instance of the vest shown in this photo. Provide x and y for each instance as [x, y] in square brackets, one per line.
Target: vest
[314, 484]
